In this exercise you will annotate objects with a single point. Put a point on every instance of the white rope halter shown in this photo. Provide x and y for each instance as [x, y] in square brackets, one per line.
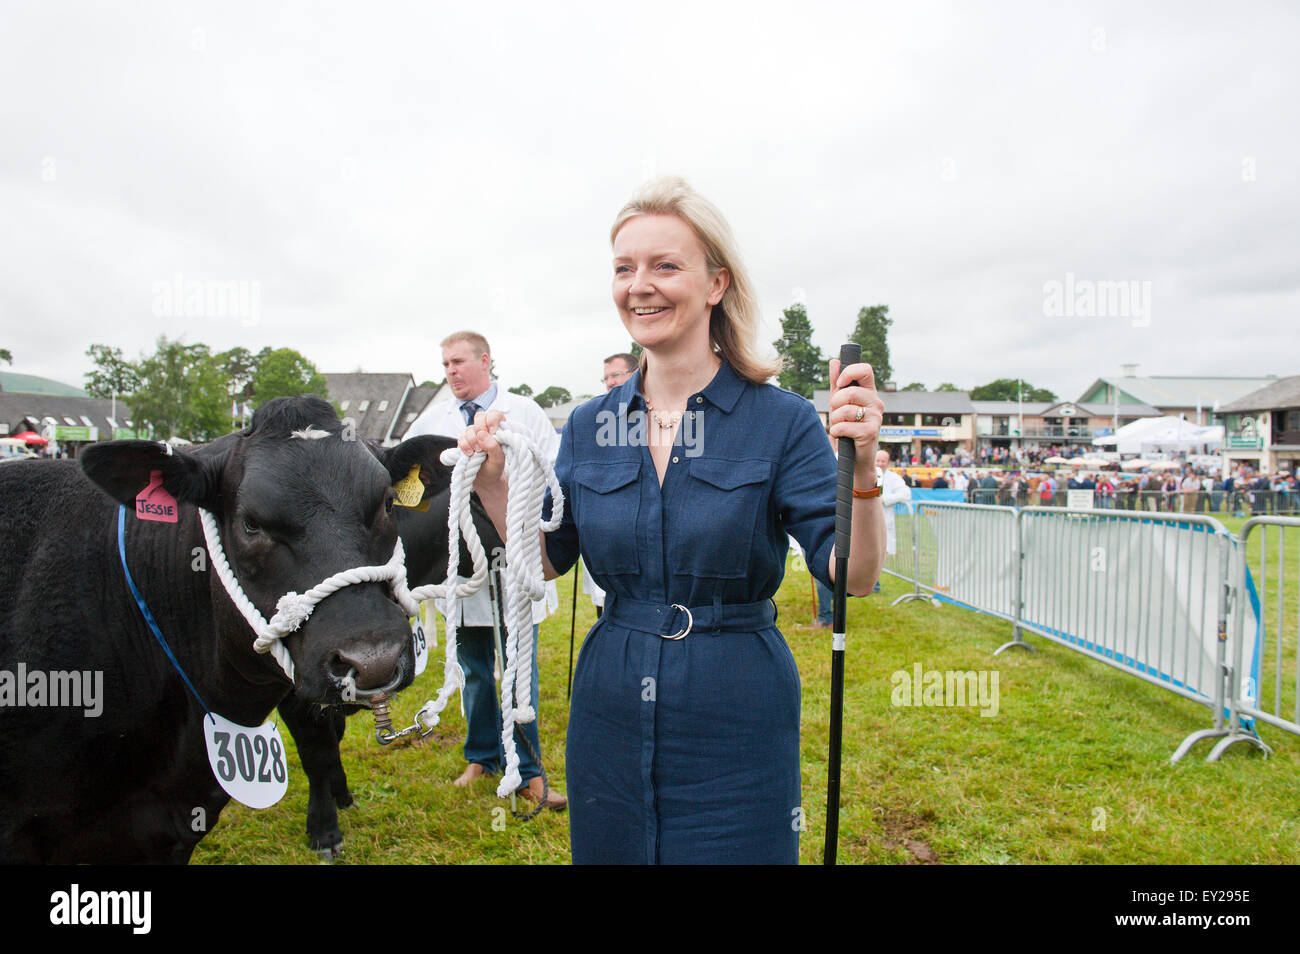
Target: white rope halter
[529, 472]
[293, 609]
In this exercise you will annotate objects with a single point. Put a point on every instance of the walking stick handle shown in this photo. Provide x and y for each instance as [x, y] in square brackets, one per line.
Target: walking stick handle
[849, 354]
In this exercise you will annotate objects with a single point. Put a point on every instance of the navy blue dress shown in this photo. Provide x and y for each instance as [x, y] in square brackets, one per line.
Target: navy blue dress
[687, 750]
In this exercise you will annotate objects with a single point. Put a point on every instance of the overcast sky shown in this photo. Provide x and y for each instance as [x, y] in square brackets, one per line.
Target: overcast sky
[379, 175]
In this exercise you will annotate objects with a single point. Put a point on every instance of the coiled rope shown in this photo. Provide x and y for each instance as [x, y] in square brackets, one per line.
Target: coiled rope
[529, 473]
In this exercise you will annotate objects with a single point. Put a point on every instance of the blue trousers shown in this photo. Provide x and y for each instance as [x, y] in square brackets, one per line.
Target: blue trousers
[826, 601]
[477, 655]
[825, 598]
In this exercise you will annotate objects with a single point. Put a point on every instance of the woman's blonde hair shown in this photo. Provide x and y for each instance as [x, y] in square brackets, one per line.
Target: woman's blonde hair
[733, 325]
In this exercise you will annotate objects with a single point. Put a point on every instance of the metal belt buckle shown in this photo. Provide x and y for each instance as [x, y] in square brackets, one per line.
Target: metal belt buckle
[690, 621]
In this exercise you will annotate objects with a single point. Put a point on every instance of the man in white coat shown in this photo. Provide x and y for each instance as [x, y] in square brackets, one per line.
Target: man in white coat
[892, 491]
[466, 359]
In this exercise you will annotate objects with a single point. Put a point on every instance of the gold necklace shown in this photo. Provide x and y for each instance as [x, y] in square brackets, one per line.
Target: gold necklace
[667, 420]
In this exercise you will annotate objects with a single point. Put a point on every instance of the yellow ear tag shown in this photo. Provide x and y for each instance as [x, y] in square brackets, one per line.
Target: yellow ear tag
[410, 490]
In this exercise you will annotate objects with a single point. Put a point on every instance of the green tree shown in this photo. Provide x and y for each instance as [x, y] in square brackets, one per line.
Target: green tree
[181, 393]
[112, 373]
[947, 386]
[915, 386]
[5, 356]
[523, 390]
[803, 367]
[552, 396]
[1004, 389]
[284, 373]
[635, 350]
[872, 332]
[240, 367]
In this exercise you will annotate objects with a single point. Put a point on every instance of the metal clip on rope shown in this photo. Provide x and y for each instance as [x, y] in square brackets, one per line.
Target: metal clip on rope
[384, 733]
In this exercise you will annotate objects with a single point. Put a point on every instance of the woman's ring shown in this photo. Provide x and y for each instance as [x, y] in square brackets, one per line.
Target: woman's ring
[862, 412]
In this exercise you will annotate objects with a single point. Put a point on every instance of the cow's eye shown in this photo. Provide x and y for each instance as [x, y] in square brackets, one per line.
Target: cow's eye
[251, 527]
[388, 504]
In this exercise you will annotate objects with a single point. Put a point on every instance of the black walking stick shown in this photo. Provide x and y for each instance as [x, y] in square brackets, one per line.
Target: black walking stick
[573, 624]
[849, 354]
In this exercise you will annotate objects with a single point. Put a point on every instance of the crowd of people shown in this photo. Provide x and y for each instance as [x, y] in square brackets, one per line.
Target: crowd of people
[1245, 492]
[987, 456]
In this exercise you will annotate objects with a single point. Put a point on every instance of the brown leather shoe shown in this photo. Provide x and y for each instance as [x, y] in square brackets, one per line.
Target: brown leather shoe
[533, 792]
[472, 771]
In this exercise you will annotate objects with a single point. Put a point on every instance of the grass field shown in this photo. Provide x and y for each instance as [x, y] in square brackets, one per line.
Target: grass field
[1073, 768]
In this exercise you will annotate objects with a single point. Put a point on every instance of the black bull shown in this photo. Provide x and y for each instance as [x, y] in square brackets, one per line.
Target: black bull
[318, 731]
[296, 502]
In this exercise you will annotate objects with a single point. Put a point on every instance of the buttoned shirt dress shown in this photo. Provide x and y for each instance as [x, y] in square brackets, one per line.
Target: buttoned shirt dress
[687, 750]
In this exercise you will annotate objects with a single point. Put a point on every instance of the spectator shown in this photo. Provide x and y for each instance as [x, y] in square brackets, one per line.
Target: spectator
[1190, 486]
[467, 360]
[1047, 490]
[1105, 492]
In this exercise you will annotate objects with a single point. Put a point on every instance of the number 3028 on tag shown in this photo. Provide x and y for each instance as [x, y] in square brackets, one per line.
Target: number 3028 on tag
[249, 763]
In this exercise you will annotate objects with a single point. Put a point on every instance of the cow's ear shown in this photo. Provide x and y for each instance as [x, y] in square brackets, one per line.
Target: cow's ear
[425, 452]
[124, 468]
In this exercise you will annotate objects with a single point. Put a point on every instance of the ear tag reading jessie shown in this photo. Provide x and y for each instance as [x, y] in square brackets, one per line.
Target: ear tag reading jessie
[410, 491]
[154, 502]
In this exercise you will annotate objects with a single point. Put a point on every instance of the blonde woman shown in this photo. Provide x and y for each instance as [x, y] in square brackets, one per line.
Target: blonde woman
[682, 484]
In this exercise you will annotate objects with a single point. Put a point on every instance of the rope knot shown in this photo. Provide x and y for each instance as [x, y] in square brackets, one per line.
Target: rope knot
[292, 611]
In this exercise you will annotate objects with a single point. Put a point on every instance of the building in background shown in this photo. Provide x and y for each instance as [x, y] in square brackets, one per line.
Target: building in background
[1195, 399]
[382, 406]
[943, 421]
[1263, 428]
[62, 414]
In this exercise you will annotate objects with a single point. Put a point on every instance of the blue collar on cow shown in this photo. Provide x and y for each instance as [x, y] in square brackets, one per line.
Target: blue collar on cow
[144, 608]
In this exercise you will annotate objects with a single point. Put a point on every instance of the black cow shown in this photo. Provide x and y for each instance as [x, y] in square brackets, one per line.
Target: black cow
[296, 502]
[318, 731]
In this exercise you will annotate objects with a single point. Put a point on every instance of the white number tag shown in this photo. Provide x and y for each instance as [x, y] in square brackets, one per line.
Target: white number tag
[420, 644]
[248, 763]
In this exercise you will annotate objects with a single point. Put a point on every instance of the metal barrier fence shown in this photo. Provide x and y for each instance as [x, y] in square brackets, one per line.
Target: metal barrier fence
[966, 554]
[905, 562]
[1144, 592]
[1277, 668]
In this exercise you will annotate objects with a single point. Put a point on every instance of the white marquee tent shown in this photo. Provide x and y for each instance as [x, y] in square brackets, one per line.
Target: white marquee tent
[1161, 434]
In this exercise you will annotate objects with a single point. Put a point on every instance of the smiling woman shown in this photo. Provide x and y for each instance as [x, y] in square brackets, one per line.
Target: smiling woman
[683, 742]
[670, 220]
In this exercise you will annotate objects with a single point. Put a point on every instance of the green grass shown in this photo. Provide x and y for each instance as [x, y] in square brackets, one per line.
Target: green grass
[1074, 768]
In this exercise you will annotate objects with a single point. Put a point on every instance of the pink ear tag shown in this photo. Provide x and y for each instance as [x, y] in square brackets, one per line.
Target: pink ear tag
[154, 502]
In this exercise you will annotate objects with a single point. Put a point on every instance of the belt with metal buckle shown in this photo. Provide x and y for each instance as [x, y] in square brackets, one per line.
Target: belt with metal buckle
[675, 621]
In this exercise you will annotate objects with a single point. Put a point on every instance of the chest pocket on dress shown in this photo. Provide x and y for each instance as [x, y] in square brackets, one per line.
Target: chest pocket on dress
[718, 521]
[609, 498]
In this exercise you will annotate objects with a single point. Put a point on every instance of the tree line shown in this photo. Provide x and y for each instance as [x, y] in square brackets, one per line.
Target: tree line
[805, 368]
[185, 390]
